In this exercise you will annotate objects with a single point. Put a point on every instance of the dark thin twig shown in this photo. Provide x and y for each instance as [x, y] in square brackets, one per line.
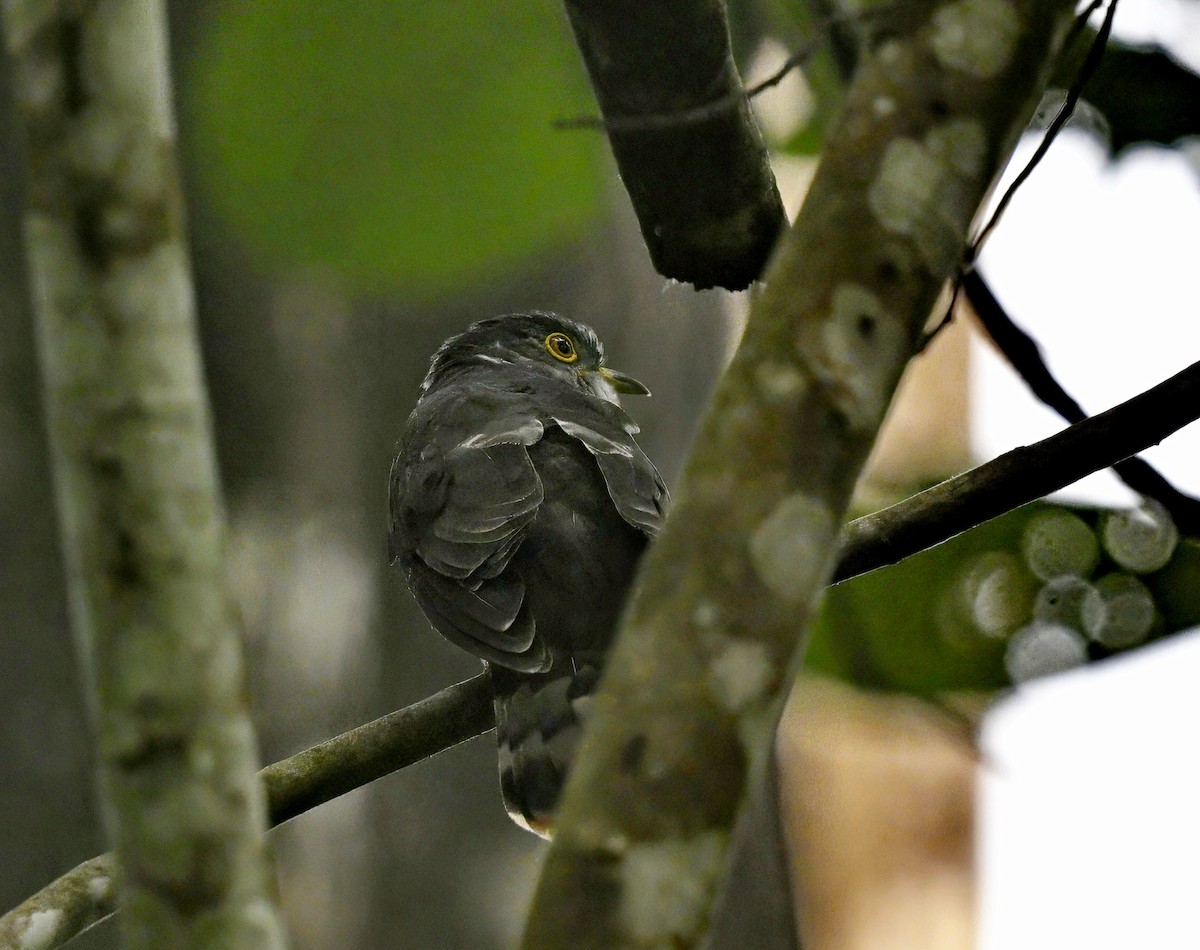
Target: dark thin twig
[1019, 477]
[1058, 122]
[701, 113]
[1066, 110]
[1024, 355]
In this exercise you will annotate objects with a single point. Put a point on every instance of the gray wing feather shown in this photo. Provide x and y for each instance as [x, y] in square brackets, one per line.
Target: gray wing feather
[460, 510]
[633, 482]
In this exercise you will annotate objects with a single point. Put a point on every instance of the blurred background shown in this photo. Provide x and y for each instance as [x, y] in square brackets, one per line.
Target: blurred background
[364, 179]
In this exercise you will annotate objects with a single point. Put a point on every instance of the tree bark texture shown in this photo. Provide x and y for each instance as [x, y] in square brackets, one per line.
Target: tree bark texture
[139, 505]
[688, 706]
[86, 894]
[686, 145]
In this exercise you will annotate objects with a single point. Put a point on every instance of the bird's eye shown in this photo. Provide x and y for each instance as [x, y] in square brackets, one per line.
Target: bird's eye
[561, 347]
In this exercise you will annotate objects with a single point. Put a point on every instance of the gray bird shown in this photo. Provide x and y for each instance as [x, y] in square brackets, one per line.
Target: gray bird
[520, 504]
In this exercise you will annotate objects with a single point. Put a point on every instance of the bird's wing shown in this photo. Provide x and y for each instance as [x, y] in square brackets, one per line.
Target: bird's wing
[462, 496]
[636, 488]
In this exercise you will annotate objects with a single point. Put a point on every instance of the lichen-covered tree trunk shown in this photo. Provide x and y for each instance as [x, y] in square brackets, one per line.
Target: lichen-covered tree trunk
[687, 708]
[140, 510]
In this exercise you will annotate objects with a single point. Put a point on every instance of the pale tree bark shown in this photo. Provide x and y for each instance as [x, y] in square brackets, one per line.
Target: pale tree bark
[135, 475]
[686, 712]
[86, 894]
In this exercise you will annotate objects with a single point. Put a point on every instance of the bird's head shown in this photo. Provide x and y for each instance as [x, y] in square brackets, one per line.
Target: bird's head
[541, 343]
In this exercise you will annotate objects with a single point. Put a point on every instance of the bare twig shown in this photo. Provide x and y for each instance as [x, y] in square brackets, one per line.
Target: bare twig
[1020, 476]
[1023, 353]
[1058, 123]
[700, 113]
[390, 743]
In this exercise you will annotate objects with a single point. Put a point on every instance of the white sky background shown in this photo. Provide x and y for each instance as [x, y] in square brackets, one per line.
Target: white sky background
[1090, 809]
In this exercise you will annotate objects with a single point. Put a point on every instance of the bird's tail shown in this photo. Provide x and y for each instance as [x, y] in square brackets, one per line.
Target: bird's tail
[539, 718]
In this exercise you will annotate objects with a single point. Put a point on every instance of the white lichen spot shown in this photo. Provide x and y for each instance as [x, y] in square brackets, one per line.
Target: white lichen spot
[890, 52]
[960, 144]
[789, 549]
[905, 184]
[40, 929]
[740, 673]
[667, 887]
[920, 190]
[705, 614]
[883, 106]
[859, 341]
[155, 289]
[976, 37]
[779, 382]
[100, 887]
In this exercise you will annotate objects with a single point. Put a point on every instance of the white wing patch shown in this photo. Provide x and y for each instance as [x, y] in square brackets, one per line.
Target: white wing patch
[527, 433]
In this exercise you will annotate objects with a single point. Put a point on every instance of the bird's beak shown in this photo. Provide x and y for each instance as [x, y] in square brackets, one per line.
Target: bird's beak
[622, 383]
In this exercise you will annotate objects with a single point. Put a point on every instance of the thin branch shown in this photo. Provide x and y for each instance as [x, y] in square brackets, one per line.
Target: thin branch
[1061, 118]
[63, 909]
[1024, 355]
[87, 894]
[700, 113]
[1020, 476]
[733, 100]
[390, 743]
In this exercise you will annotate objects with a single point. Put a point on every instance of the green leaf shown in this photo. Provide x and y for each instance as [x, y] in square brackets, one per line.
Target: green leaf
[406, 146]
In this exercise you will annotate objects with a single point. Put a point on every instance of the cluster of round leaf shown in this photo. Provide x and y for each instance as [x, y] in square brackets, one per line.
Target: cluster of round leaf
[1046, 603]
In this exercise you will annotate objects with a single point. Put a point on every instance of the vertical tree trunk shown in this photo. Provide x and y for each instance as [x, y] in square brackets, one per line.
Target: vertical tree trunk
[139, 505]
[686, 710]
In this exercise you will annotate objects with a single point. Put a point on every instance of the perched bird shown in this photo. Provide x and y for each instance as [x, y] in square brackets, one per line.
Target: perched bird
[520, 504]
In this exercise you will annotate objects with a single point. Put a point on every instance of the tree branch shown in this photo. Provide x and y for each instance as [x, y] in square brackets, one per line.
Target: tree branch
[390, 743]
[139, 505]
[1019, 477]
[686, 709]
[1024, 355]
[703, 191]
[86, 895]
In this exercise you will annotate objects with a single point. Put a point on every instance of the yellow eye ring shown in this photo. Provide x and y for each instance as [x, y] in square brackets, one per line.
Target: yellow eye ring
[561, 347]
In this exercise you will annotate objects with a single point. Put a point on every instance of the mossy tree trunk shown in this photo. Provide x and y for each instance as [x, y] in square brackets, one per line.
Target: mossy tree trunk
[687, 708]
[140, 510]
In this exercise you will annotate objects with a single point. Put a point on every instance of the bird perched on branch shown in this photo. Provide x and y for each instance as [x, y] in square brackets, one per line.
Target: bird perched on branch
[520, 504]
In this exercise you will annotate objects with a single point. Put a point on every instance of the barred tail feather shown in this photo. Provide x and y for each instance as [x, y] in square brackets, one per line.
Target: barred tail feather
[539, 719]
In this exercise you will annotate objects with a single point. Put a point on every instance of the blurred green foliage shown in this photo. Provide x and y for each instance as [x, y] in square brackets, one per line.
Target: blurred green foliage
[407, 147]
[909, 627]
